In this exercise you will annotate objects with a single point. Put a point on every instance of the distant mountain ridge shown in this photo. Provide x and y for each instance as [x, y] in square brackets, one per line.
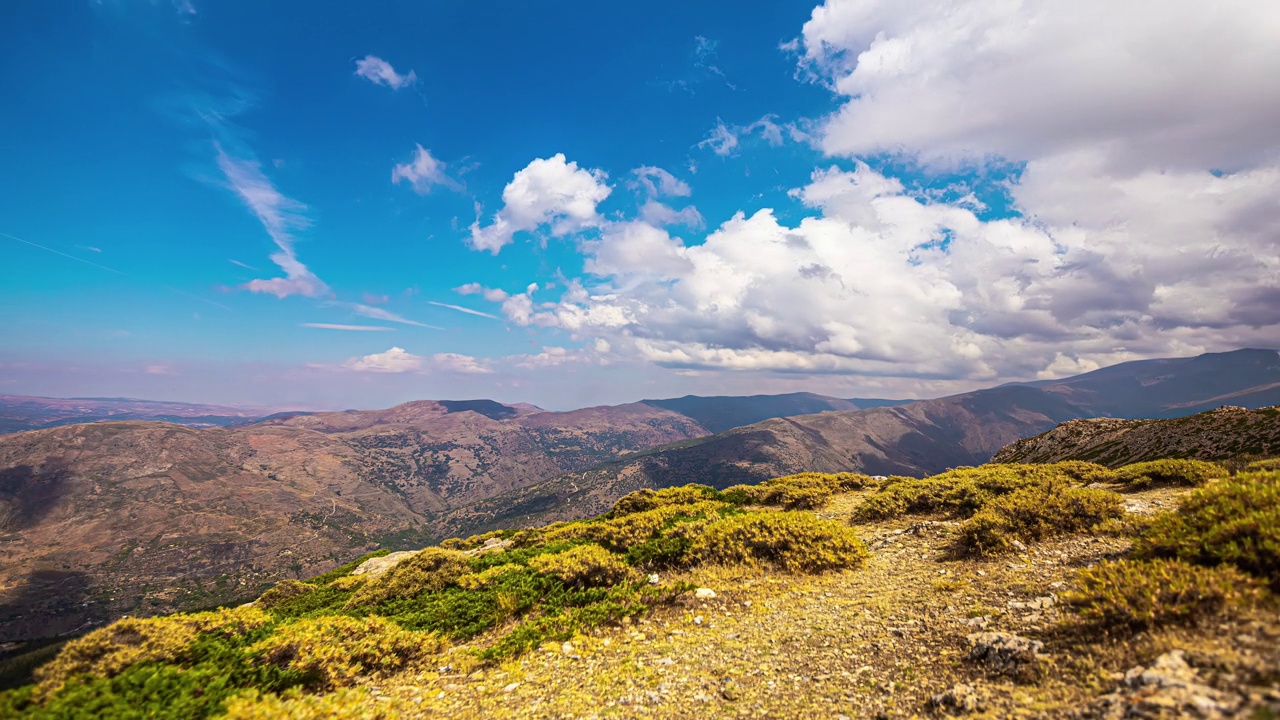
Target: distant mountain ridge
[720, 413]
[24, 412]
[917, 438]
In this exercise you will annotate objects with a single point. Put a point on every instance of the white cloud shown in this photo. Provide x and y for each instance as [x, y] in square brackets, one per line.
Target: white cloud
[658, 182]
[395, 360]
[548, 191]
[281, 216]
[377, 313]
[422, 172]
[352, 328]
[550, 356]
[881, 283]
[490, 294]
[461, 309]
[463, 364]
[725, 139]
[659, 214]
[160, 369]
[1178, 84]
[379, 72]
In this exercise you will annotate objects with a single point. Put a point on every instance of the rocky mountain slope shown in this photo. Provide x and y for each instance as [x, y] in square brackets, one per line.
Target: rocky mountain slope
[104, 518]
[721, 413]
[914, 439]
[1227, 433]
[1101, 599]
[22, 412]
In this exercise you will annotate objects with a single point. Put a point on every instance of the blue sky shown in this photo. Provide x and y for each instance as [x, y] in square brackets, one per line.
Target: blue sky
[297, 203]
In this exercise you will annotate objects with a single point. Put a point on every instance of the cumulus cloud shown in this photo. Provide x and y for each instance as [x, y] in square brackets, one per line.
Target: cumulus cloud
[422, 173]
[884, 283]
[282, 217]
[1178, 84]
[380, 72]
[395, 360]
[463, 364]
[490, 294]
[550, 191]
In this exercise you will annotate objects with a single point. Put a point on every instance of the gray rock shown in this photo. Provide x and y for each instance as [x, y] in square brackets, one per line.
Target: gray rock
[374, 567]
[960, 698]
[1004, 653]
[1168, 688]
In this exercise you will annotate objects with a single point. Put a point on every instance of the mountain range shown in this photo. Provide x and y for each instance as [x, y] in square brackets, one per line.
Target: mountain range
[104, 518]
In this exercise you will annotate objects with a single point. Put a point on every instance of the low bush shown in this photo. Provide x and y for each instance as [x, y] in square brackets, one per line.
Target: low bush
[1263, 465]
[960, 491]
[1177, 472]
[108, 651]
[430, 570]
[1034, 513]
[487, 577]
[797, 492]
[285, 591]
[621, 533]
[646, 499]
[585, 566]
[1234, 522]
[1084, 472]
[294, 705]
[334, 650]
[790, 541]
[1138, 595]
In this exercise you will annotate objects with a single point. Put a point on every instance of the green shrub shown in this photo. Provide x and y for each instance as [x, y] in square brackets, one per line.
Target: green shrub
[1178, 472]
[486, 577]
[795, 492]
[790, 541]
[284, 591]
[1084, 472]
[1263, 465]
[1234, 521]
[1036, 512]
[646, 499]
[294, 705]
[108, 651]
[585, 566]
[429, 570]
[1142, 594]
[621, 533]
[334, 650]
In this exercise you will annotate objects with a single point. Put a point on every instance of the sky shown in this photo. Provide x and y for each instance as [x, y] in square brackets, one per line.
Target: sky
[337, 204]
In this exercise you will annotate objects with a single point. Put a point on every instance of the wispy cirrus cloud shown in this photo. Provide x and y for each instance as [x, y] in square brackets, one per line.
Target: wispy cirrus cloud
[282, 216]
[466, 310]
[377, 313]
[423, 172]
[380, 72]
[350, 328]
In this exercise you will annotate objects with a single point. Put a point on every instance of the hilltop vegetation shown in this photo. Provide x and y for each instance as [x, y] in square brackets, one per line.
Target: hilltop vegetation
[887, 565]
[1225, 434]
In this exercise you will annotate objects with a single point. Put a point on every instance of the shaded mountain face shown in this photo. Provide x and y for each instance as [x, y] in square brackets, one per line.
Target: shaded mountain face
[140, 517]
[22, 412]
[918, 438]
[1228, 433]
[1176, 386]
[721, 413]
